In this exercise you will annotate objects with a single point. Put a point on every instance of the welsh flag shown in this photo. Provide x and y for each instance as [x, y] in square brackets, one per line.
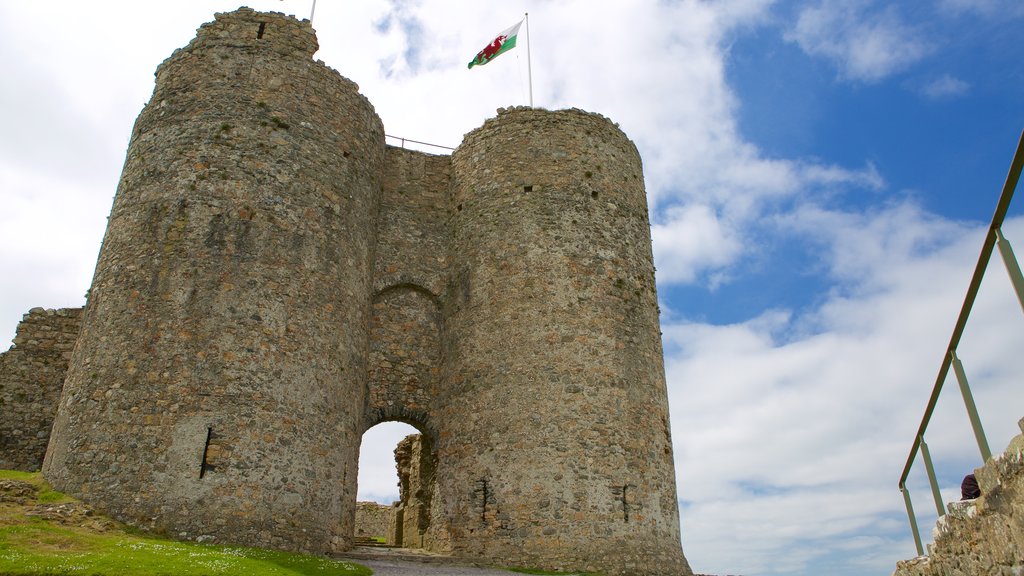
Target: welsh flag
[505, 41]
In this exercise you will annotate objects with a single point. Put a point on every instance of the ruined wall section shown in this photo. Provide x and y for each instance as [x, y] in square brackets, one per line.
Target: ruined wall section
[32, 374]
[375, 521]
[220, 383]
[984, 536]
[420, 522]
[409, 276]
[554, 357]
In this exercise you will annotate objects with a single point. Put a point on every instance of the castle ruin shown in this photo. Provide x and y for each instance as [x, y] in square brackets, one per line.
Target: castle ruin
[275, 280]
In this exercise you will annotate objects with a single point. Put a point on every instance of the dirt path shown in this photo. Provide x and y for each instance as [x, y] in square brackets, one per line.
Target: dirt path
[403, 562]
[406, 562]
[408, 568]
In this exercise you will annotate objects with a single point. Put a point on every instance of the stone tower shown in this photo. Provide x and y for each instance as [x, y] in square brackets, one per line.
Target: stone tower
[275, 280]
[219, 379]
[554, 353]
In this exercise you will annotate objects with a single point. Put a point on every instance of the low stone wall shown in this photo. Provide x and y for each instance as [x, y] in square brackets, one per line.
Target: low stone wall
[985, 536]
[31, 378]
[375, 521]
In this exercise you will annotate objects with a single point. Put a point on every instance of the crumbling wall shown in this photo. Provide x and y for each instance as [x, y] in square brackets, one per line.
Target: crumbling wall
[418, 521]
[31, 377]
[985, 536]
[375, 521]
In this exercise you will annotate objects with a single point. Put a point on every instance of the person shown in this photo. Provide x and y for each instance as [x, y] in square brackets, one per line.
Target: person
[969, 489]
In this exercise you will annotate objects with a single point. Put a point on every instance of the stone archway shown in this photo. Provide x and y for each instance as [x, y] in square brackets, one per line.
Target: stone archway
[414, 520]
[403, 376]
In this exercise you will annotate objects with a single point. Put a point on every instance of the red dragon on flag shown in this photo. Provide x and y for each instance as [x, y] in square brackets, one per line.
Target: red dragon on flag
[504, 42]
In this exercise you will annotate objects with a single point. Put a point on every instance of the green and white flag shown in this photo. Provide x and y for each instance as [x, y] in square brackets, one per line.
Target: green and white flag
[505, 41]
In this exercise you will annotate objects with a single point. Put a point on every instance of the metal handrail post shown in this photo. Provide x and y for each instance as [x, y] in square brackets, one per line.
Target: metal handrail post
[993, 238]
[932, 479]
[913, 520]
[972, 409]
[1012, 268]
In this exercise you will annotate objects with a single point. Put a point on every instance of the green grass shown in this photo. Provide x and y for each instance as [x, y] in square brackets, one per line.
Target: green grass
[32, 477]
[34, 547]
[45, 494]
[45, 550]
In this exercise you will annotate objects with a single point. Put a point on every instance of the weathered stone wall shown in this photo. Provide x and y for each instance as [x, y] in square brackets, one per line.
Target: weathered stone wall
[985, 536]
[220, 384]
[556, 449]
[31, 376]
[274, 281]
[419, 522]
[409, 277]
[375, 520]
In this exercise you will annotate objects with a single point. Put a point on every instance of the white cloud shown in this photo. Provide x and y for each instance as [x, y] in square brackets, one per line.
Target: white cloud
[691, 239]
[866, 45]
[791, 440]
[378, 477]
[945, 87]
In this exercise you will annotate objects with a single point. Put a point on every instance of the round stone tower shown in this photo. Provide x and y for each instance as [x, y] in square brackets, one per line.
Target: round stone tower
[556, 446]
[218, 386]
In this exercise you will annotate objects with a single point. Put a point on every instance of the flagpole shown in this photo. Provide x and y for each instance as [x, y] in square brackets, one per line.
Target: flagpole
[311, 12]
[529, 67]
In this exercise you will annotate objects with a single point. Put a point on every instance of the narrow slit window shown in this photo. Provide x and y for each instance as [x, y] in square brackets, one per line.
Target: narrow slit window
[206, 453]
[263, 28]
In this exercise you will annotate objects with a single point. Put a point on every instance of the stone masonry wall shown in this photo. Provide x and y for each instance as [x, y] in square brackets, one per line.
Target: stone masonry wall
[31, 377]
[985, 536]
[220, 383]
[553, 355]
[419, 520]
[375, 520]
[409, 276]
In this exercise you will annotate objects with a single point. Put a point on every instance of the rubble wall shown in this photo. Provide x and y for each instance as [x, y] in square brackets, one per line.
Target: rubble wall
[984, 536]
[374, 521]
[31, 377]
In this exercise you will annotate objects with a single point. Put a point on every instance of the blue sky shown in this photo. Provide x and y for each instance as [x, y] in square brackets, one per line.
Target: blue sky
[820, 176]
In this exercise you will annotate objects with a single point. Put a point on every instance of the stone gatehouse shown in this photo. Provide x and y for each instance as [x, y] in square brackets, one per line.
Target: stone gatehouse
[275, 280]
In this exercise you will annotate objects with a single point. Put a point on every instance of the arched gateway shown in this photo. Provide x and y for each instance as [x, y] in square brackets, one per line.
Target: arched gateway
[274, 280]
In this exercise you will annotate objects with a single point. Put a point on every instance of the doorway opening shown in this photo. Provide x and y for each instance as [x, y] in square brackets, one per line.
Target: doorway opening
[395, 494]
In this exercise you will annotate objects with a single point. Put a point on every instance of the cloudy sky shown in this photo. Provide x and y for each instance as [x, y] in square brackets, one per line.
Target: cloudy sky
[820, 174]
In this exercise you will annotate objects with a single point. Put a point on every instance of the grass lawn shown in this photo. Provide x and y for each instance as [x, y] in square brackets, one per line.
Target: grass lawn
[33, 546]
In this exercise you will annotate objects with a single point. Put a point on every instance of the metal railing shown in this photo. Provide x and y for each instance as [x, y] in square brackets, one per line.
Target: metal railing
[992, 239]
[410, 140]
